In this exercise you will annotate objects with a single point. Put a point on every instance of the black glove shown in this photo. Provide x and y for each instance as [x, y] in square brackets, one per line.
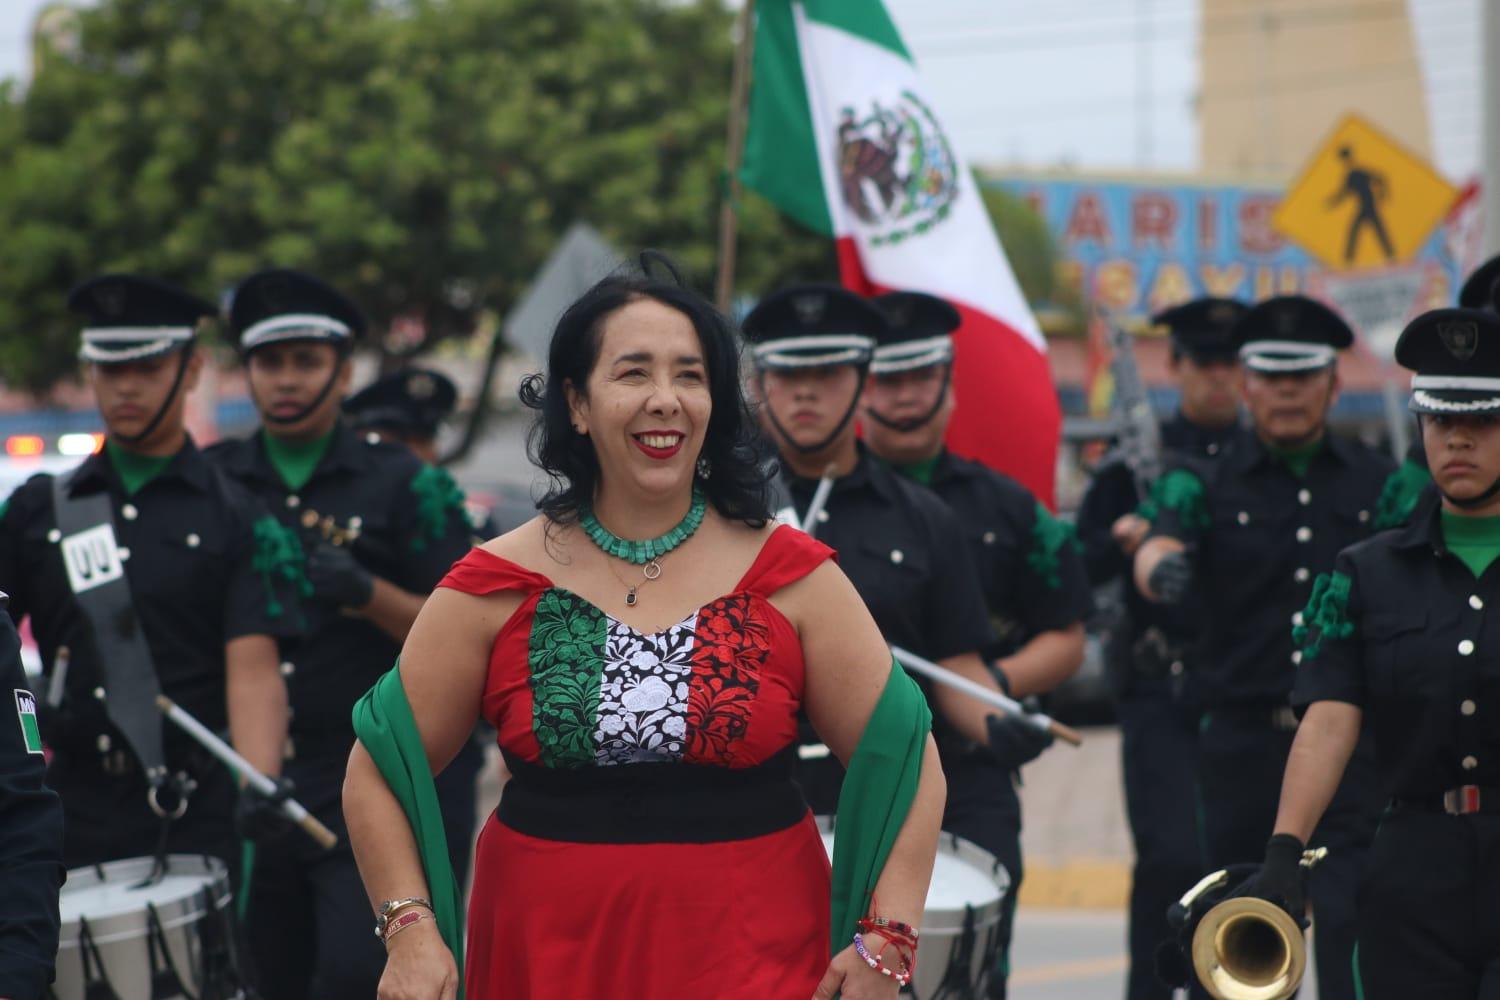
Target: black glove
[336, 576]
[1015, 740]
[1171, 578]
[259, 817]
[1281, 877]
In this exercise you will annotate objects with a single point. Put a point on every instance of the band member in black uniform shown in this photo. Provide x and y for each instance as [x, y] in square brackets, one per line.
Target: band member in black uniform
[31, 818]
[1398, 641]
[143, 571]
[1481, 290]
[370, 530]
[1250, 533]
[901, 546]
[1148, 653]
[408, 407]
[1029, 567]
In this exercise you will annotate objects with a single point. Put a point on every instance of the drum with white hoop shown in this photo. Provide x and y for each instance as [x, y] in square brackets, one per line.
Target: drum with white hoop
[960, 941]
[132, 932]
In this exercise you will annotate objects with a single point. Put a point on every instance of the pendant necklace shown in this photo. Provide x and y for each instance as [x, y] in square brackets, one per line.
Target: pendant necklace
[645, 554]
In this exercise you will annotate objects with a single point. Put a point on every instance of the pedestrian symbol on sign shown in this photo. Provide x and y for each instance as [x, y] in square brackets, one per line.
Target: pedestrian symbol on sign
[1369, 189]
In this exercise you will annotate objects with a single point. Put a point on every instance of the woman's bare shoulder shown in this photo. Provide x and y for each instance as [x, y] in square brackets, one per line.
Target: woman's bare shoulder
[526, 546]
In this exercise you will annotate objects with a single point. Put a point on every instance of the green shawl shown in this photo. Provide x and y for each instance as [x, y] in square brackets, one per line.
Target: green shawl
[876, 796]
[384, 724]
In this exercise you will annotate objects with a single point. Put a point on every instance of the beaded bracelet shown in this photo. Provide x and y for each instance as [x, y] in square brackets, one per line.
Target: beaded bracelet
[894, 926]
[902, 977]
[399, 924]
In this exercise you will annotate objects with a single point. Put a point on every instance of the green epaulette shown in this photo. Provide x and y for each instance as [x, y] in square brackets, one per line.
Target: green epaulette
[1399, 495]
[279, 559]
[438, 497]
[1326, 615]
[1048, 536]
[1181, 492]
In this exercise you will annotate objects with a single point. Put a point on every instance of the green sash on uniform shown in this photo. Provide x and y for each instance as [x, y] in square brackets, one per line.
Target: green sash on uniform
[876, 796]
[384, 724]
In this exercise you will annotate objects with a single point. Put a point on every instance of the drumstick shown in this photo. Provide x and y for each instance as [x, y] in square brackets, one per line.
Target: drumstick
[57, 684]
[819, 500]
[291, 808]
[926, 667]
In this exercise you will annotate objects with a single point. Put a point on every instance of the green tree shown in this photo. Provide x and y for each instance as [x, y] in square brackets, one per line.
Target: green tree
[423, 155]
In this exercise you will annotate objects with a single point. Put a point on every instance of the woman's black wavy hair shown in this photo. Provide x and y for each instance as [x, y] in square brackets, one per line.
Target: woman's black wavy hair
[736, 485]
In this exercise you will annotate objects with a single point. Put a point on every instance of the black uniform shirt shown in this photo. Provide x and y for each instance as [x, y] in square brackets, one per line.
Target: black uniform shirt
[31, 836]
[906, 554]
[1029, 565]
[1113, 494]
[190, 537]
[1404, 630]
[1258, 536]
[406, 535]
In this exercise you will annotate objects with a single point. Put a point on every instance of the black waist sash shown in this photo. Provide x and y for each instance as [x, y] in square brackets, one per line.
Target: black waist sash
[651, 803]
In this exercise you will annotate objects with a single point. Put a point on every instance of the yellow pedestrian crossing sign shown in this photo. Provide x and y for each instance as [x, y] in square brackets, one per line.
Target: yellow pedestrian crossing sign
[1363, 201]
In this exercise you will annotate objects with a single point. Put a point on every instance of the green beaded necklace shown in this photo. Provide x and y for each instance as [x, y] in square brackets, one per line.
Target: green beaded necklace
[644, 554]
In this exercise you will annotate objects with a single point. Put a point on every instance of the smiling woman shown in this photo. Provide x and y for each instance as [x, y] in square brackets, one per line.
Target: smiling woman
[643, 649]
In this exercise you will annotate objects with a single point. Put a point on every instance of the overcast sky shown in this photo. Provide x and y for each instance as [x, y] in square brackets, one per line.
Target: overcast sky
[1040, 85]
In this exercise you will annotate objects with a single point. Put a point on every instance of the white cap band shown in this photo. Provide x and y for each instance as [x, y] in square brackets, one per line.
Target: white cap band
[1289, 355]
[294, 326]
[832, 348]
[912, 354]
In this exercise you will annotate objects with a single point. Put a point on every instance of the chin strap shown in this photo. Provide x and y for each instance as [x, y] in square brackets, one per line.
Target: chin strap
[317, 401]
[166, 404]
[912, 423]
[832, 435]
[1475, 501]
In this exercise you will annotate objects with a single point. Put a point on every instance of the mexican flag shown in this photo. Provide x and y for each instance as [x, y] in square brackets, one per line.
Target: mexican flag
[843, 138]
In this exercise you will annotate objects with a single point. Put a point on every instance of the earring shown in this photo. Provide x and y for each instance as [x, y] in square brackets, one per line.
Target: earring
[704, 468]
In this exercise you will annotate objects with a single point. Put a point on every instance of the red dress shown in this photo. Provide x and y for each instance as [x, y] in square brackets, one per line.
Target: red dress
[651, 843]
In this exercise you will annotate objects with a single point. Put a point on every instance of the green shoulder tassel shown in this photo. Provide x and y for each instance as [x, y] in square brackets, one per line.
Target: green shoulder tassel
[1048, 536]
[1326, 614]
[1181, 492]
[1398, 497]
[438, 497]
[279, 559]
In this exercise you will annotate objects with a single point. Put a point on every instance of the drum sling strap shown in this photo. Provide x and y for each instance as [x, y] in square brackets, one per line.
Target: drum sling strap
[96, 574]
[95, 979]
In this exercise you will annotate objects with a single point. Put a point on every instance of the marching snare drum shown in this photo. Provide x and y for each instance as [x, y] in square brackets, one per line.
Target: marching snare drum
[960, 942]
[123, 938]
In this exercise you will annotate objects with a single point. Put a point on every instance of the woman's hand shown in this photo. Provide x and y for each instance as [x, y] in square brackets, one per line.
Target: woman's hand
[849, 977]
[418, 966]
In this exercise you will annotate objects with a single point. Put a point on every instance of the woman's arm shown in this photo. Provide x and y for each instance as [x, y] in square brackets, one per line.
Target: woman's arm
[443, 668]
[1325, 740]
[847, 667]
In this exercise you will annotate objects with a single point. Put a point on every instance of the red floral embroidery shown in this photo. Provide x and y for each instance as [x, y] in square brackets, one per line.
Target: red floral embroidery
[731, 644]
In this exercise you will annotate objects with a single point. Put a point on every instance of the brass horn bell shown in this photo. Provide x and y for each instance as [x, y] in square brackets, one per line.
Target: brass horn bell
[1246, 948]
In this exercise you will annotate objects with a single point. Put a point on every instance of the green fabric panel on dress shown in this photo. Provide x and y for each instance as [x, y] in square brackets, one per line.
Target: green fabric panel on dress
[438, 498]
[876, 796]
[384, 724]
[1048, 536]
[1182, 493]
[1399, 495]
[280, 560]
[567, 664]
[1326, 614]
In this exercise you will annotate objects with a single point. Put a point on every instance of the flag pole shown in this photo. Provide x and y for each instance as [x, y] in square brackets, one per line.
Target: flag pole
[739, 90]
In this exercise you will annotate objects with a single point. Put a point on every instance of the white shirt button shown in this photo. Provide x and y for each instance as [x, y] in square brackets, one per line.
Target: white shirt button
[1301, 575]
[897, 556]
[1213, 448]
[1297, 618]
[989, 538]
[1242, 517]
[54, 535]
[293, 501]
[1476, 602]
[1304, 497]
[99, 694]
[1364, 517]
[1304, 534]
[288, 668]
[1466, 648]
[1297, 657]
[372, 438]
[104, 743]
[128, 512]
[822, 517]
[193, 540]
[1467, 707]
[1470, 762]
[356, 522]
